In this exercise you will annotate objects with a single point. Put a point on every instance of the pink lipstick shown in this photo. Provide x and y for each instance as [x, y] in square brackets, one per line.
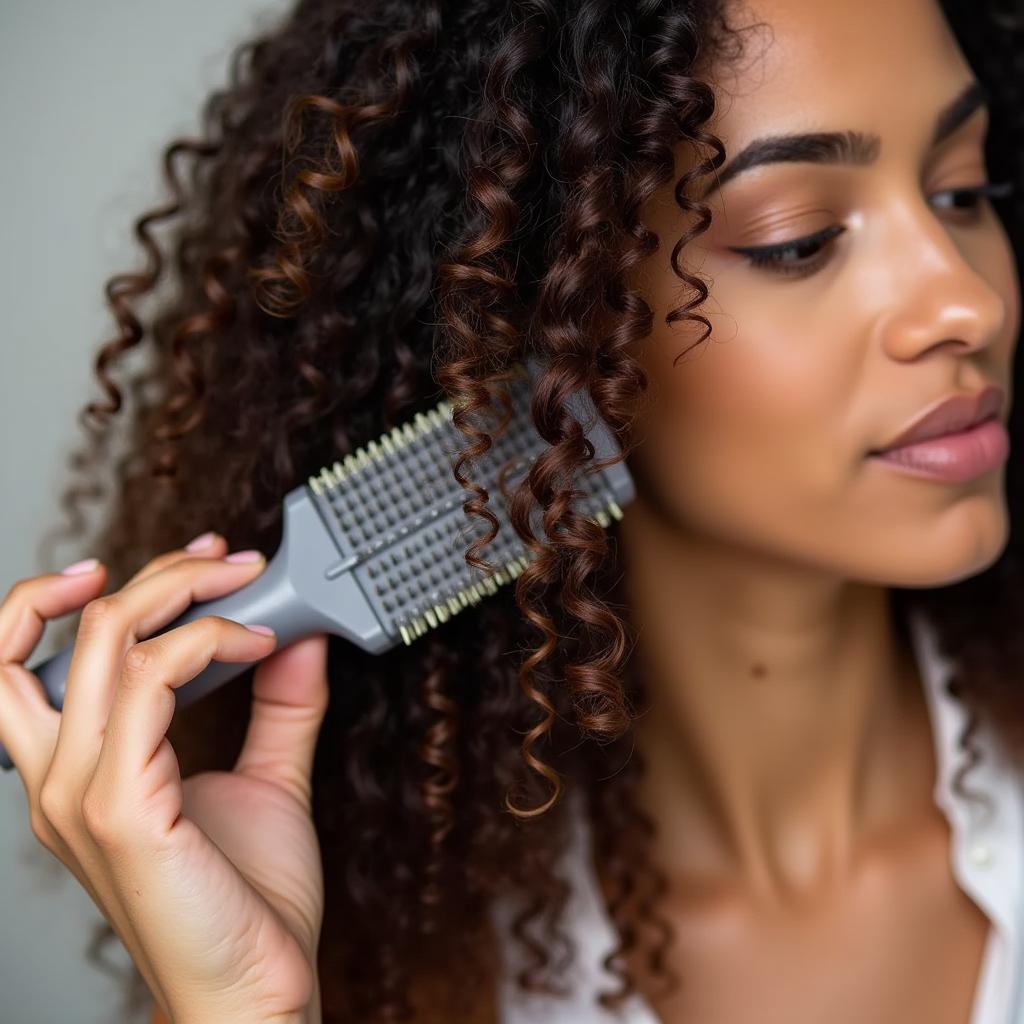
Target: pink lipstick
[953, 457]
[956, 439]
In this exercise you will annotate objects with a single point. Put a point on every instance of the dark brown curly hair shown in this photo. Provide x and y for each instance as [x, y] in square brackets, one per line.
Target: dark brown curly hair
[392, 202]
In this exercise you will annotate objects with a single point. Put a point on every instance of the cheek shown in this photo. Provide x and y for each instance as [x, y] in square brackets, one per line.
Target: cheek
[744, 436]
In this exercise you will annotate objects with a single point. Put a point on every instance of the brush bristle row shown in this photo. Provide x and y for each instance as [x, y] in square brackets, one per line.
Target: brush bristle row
[398, 515]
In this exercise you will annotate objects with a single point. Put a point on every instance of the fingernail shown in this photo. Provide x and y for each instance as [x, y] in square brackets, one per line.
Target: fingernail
[250, 555]
[78, 568]
[204, 540]
[266, 630]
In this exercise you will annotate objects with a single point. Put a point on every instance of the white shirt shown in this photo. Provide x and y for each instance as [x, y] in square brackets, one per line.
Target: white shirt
[986, 858]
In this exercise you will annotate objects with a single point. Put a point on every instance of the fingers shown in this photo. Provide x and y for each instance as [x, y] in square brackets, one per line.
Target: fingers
[206, 545]
[143, 703]
[290, 696]
[112, 624]
[30, 602]
[23, 616]
[28, 724]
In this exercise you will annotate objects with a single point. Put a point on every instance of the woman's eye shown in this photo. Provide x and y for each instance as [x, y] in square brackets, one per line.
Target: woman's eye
[801, 257]
[1000, 190]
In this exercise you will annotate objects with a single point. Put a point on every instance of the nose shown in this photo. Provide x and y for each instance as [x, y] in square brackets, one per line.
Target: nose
[941, 284]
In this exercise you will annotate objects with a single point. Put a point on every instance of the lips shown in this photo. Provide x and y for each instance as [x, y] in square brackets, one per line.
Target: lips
[949, 416]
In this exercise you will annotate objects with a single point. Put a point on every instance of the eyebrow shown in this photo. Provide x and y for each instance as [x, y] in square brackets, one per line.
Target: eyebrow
[845, 147]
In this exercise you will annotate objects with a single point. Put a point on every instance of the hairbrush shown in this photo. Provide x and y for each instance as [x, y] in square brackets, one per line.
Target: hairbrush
[373, 547]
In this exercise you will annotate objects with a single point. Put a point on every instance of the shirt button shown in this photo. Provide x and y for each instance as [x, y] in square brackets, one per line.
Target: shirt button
[981, 853]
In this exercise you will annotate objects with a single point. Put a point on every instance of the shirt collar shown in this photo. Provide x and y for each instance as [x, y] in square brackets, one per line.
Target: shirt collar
[986, 822]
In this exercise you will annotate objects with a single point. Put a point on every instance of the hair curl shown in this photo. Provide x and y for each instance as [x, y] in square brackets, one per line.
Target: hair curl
[390, 200]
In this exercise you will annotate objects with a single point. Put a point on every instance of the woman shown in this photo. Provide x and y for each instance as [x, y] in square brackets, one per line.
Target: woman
[742, 707]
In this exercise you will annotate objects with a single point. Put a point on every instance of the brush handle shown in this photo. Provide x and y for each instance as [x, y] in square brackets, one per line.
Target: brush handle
[270, 599]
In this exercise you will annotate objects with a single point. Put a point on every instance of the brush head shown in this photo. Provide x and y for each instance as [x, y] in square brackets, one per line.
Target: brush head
[397, 514]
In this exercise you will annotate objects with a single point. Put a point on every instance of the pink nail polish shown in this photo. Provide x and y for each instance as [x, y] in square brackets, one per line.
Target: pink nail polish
[204, 540]
[265, 630]
[79, 568]
[249, 555]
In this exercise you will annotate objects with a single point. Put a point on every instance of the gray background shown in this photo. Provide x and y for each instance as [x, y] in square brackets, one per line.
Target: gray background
[89, 94]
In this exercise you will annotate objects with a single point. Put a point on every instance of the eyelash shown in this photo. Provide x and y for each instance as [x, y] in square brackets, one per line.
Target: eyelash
[772, 258]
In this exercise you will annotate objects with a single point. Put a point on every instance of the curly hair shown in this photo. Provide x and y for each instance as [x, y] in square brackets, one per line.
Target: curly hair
[394, 200]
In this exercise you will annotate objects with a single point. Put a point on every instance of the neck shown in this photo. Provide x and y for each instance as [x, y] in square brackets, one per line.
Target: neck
[786, 722]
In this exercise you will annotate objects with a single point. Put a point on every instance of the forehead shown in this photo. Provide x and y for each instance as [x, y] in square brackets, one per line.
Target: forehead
[883, 65]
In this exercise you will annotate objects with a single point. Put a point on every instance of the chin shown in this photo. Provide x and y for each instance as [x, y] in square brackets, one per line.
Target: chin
[966, 541]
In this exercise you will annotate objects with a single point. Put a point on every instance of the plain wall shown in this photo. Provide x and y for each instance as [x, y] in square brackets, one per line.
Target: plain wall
[90, 92]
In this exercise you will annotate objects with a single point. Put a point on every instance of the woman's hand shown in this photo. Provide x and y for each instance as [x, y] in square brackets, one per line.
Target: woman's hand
[214, 885]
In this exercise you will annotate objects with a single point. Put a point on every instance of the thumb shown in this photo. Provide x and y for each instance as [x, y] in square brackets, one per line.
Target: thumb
[290, 699]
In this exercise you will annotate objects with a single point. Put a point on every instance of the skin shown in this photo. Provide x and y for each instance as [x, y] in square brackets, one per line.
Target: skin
[790, 757]
[214, 884]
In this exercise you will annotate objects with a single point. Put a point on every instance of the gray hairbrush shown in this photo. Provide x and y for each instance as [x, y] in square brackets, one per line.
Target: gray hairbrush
[373, 547]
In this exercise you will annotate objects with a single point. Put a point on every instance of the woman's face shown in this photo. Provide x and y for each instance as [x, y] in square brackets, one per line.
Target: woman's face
[759, 436]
